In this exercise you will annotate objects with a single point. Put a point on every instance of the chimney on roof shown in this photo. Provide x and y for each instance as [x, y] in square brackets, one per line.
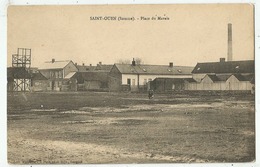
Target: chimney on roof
[52, 60]
[83, 64]
[133, 62]
[222, 59]
[100, 63]
[229, 54]
[171, 64]
[76, 64]
[90, 65]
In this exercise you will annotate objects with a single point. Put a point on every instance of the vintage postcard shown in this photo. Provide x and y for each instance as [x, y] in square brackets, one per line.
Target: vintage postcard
[124, 84]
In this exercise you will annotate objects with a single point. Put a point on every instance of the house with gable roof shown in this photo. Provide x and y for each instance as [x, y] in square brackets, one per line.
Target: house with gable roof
[223, 75]
[91, 77]
[135, 77]
[56, 72]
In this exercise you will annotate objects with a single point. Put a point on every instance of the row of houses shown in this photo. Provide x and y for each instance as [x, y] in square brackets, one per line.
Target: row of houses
[69, 76]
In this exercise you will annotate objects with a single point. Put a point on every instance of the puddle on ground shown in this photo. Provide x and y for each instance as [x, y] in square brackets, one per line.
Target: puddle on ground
[43, 110]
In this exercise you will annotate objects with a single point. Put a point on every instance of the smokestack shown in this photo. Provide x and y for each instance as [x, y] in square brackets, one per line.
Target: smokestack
[229, 56]
[171, 64]
[52, 60]
[133, 62]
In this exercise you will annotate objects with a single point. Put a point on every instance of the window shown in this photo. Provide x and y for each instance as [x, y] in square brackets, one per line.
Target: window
[145, 81]
[133, 81]
[56, 74]
[128, 81]
[60, 74]
[51, 74]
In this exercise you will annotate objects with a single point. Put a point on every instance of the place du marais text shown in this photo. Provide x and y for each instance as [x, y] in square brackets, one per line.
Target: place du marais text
[121, 18]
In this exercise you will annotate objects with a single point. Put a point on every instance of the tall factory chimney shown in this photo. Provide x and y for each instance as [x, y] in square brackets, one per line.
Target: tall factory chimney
[229, 53]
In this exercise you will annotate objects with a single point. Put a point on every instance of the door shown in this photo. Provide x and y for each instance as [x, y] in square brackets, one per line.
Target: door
[129, 83]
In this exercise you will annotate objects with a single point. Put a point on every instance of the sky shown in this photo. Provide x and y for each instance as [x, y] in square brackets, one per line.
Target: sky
[192, 33]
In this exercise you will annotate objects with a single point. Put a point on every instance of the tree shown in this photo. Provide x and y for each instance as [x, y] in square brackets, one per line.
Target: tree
[138, 60]
[127, 61]
[124, 61]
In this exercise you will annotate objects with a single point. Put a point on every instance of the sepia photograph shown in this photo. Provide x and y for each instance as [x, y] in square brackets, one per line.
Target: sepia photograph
[130, 84]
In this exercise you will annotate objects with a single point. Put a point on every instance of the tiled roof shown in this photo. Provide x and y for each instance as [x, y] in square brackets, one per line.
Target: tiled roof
[84, 68]
[54, 65]
[225, 67]
[104, 67]
[154, 69]
[99, 67]
[38, 76]
[244, 77]
[216, 78]
[190, 80]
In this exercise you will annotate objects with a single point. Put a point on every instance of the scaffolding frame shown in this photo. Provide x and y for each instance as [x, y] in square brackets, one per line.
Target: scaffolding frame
[22, 61]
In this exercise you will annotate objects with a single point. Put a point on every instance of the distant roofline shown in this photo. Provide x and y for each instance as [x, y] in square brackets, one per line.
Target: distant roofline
[155, 73]
[223, 62]
[57, 61]
[155, 65]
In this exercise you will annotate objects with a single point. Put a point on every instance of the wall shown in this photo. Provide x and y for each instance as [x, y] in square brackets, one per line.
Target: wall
[144, 79]
[242, 85]
[39, 85]
[52, 73]
[206, 80]
[114, 79]
[198, 77]
[70, 67]
[147, 77]
[92, 85]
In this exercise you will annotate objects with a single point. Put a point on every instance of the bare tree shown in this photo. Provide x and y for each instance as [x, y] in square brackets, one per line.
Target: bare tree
[124, 61]
[138, 60]
[127, 61]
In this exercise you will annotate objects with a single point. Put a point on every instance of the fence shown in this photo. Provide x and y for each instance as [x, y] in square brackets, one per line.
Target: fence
[244, 85]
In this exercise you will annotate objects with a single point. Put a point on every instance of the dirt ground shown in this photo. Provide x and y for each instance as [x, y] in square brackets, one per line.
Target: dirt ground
[89, 127]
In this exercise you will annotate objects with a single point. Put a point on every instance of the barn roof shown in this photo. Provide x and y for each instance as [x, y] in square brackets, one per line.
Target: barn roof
[38, 76]
[93, 76]
[54, 65]
[225, 67]
[190, 80]
[104, 67]
[244, 77]
[154, 69]
[83, 68]
[99, 67]
[217, 78]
